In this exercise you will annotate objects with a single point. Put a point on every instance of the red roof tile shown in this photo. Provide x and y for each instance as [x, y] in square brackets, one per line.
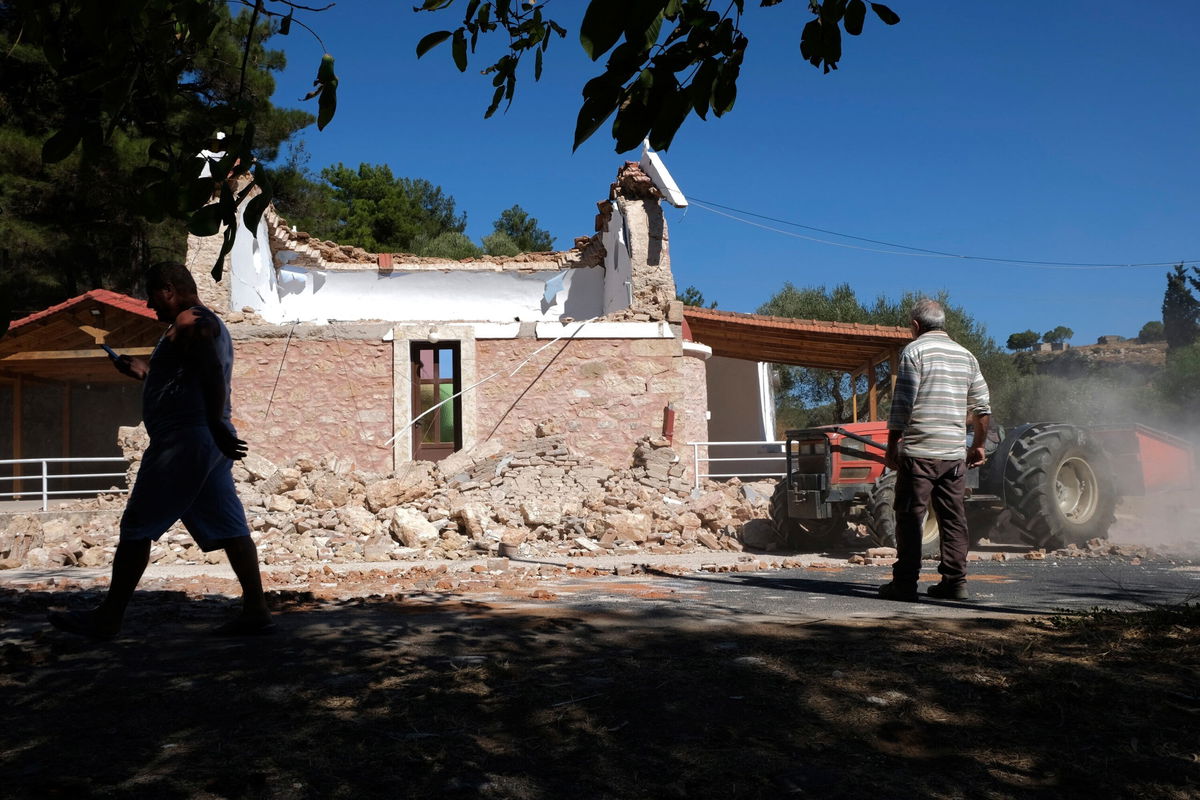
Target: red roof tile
[103, 296]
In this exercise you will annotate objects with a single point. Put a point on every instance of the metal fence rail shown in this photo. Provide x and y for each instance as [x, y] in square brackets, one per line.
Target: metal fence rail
[774, 457]
[45, 493]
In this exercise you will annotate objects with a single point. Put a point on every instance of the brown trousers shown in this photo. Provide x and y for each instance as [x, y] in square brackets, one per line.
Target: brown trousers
[929, 485]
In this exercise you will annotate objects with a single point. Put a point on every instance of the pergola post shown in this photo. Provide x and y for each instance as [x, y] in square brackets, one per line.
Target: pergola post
[872, 395]
[66, 419]
[853, 397]
[16, 431]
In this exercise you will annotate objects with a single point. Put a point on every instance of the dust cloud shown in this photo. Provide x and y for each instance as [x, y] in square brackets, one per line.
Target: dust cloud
[1168, 522]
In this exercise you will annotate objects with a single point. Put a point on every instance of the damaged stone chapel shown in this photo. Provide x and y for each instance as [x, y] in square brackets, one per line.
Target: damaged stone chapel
[398, 406]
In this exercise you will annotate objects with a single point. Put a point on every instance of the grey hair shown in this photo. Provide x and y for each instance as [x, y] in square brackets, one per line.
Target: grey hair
[929, 315]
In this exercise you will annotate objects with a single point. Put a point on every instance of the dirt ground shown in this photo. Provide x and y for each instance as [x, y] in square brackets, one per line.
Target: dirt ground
[435, 694]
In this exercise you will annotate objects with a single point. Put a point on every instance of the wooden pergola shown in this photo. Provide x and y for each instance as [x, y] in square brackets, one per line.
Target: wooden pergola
[840, 346]
[61, 345]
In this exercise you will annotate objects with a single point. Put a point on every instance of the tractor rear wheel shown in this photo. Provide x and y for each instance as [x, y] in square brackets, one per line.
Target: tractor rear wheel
[807, 535]
[1059, 487]
[882, 519]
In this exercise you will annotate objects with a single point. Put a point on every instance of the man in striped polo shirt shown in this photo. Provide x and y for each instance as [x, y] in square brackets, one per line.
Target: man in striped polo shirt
[937, 383]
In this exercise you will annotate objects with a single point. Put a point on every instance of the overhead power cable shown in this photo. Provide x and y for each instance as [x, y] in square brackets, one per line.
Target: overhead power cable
[908, 250]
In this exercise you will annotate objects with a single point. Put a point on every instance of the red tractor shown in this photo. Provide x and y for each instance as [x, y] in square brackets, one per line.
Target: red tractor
[1052, 483]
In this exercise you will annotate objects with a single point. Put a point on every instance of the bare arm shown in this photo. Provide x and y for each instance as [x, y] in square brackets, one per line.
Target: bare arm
[891, 459]
[976, 455]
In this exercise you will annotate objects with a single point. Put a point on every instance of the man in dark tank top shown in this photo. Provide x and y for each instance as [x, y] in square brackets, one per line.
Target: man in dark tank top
[186, 472]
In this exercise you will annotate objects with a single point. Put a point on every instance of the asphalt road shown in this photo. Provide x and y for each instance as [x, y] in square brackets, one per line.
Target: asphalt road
[1003, 589]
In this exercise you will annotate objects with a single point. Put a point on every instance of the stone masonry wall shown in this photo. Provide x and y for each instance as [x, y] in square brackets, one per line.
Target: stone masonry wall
[202, 254]
[653, 283]
[333, 396]
[603, 394]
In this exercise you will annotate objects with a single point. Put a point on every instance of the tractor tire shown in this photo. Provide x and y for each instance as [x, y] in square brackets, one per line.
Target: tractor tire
[881, 519]
[1059, 487]
[808, 536]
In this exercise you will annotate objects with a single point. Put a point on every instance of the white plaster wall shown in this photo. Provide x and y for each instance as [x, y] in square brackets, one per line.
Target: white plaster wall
[314, 295]
[618, 266]
[252, 273]
[741, 405]
[301, 294]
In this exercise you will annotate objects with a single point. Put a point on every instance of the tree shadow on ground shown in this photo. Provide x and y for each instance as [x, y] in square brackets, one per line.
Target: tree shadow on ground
[396, 697]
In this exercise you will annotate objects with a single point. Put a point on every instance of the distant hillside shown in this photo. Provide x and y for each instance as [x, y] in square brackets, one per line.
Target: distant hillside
[1128, 357]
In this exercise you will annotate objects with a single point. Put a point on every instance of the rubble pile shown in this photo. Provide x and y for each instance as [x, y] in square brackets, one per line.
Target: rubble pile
[537, 499]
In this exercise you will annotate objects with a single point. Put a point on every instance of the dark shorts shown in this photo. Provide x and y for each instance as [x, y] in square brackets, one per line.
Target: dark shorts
[185, 477]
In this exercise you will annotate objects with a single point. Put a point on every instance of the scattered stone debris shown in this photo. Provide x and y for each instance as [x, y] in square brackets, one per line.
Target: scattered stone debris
[537, 499]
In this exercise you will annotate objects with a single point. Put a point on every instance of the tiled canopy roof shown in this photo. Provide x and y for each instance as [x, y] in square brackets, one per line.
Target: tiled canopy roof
[60, 343]
[115, 299]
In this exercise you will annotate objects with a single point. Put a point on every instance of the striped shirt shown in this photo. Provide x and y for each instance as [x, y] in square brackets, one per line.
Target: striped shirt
[937, 383]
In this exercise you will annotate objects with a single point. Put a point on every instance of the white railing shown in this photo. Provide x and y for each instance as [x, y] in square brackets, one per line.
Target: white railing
[709, 460]
[45, 493]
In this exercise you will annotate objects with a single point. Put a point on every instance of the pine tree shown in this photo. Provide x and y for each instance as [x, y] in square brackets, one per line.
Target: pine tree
[1180, 308]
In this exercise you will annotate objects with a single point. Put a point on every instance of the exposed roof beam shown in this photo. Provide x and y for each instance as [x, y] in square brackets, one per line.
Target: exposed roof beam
[62, 355]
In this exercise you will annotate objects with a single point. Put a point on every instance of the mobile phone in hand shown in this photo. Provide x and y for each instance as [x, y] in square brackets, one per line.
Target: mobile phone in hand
[111, 353]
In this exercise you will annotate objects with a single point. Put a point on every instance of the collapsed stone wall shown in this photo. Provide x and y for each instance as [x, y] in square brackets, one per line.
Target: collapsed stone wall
[537, 498]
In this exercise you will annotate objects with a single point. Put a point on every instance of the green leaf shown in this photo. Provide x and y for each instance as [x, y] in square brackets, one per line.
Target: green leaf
[701, 88]
[206, 221]
[258, 204]
[653, 30]
[856, 14]
[592, 114]
[228, 206]
[831, 45]
[497, 96]
[159, 150]
[325, 70]
[226, 246]
[254, 211]
[884, 13]
[832, 11]
[459, 47]
[327, 105]
[673, 107]
[725, 89]
[156, 200]
[634, 118]
[430, 41]
[61, 145]
[810, 42]
[198, 193]
[602, 25]
[147, 175]
[537, 65]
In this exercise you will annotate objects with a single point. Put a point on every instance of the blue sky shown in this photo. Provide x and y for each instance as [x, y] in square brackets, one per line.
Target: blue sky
[1064, 132]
